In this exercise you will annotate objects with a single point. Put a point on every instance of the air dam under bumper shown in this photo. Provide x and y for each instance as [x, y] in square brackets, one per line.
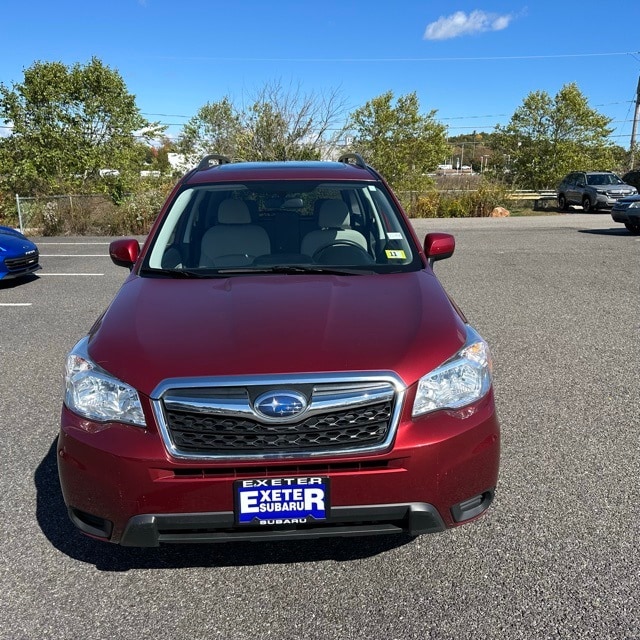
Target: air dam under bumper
[413, 519]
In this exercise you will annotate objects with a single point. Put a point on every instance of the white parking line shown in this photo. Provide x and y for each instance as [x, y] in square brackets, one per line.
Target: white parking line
[15, 304]
[40, 274]
[74, 255]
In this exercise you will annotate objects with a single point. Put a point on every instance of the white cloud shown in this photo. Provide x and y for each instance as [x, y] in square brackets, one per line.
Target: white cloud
[461, 24]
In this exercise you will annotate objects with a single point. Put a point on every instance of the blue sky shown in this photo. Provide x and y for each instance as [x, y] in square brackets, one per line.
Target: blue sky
[472, 62]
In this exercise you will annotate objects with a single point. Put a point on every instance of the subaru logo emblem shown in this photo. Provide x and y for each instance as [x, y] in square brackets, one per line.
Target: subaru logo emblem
[280, 404]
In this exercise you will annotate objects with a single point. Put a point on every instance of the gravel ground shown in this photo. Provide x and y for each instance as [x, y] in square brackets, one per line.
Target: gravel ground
[558, 299]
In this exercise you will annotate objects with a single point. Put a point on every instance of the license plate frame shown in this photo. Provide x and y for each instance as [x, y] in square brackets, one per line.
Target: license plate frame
[301, 500]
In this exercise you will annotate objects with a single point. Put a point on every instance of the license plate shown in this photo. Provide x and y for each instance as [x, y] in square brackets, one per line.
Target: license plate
[279, 501]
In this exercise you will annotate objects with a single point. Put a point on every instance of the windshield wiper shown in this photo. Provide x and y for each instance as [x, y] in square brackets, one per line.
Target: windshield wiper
[175, 273]
[295, 269]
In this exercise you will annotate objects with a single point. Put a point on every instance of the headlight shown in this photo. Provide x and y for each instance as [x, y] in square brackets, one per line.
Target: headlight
[458, 382]
[94, 394]
[635, 205]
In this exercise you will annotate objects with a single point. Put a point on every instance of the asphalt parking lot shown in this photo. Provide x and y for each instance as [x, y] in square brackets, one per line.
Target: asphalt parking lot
[557, 556]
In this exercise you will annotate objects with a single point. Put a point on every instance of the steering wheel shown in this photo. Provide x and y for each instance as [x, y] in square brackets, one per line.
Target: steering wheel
[343, 253]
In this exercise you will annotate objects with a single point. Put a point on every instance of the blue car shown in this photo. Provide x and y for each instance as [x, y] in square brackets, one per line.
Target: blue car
[18, 255]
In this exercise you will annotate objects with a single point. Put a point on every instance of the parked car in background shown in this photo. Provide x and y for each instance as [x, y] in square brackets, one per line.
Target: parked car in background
[18, 255]
[280, 363]
[627, 211]
[592, 190]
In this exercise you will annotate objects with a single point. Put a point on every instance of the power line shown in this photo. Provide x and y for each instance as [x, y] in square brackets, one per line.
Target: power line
[378, 60]
[489, 115]
[165, 115]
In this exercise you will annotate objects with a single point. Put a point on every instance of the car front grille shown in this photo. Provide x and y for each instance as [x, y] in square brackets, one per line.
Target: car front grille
[23, 263]
[365, 426]
[221, 422]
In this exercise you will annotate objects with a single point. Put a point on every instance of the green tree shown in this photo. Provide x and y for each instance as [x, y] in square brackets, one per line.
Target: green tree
[548, 137]
[275, 123]
[285, 123]
[156, 156]
[215, 128]
[68, 123]
[399, 141]
[471, 149]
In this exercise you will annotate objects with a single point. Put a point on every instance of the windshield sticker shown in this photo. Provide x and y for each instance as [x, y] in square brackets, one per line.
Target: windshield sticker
[395, 235]
[396, 254]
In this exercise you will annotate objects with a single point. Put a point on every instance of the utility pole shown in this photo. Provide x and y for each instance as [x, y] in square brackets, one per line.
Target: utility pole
[634, 128]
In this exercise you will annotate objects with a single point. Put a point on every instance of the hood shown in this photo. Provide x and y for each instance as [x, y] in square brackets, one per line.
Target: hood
[160, 328]
[13, 243]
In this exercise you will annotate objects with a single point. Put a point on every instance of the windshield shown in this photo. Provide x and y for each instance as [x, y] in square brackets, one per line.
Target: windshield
[599, 179]
[281, 227]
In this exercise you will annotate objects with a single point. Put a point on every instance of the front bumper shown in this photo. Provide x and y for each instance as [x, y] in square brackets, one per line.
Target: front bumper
[18, 273]
[121, 485]
[604, 201]
[151, 530]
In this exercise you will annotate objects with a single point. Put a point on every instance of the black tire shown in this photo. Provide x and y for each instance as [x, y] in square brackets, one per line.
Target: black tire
[633, 228]
[562, 203]
[587, 207]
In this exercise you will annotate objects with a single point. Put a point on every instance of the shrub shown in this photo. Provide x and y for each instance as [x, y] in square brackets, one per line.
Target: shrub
[94, 214]
[43, 216]
[427, 205]
[460, 204]
[136, 213]
[488, 196]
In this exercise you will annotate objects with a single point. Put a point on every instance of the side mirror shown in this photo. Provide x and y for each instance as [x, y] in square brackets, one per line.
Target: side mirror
[124, 253]
[438, 246]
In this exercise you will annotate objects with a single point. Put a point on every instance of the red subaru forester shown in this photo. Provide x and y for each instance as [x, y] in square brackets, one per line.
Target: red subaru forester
[280, 363]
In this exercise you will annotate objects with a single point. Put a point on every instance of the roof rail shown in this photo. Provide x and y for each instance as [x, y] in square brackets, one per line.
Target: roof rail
[205, 163]
[358, 160]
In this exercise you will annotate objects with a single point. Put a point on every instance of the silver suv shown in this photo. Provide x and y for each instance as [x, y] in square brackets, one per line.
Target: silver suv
[592, 190]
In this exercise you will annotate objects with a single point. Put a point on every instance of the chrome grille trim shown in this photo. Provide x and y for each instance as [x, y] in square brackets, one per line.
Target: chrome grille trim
[321, 402]
[229, 397]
